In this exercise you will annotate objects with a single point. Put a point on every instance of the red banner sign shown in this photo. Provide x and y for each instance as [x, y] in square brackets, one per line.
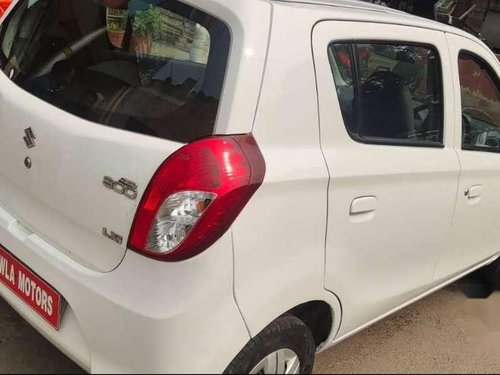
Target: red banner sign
[35, 292]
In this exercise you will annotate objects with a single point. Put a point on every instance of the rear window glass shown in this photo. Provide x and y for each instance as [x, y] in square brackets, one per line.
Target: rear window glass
[154, 67]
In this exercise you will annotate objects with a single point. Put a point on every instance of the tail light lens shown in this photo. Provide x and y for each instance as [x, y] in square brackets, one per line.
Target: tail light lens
[195, 196]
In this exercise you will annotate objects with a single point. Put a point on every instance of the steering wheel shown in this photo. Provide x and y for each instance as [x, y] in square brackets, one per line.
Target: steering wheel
[492, 142]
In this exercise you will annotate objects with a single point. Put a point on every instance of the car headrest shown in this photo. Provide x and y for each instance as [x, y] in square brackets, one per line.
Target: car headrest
[386, 107]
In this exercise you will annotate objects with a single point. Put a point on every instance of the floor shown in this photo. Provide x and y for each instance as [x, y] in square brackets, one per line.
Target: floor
[446, 332]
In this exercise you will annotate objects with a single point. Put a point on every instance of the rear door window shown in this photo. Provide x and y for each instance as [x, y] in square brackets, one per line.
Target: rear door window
[154, 67]
[389, 93]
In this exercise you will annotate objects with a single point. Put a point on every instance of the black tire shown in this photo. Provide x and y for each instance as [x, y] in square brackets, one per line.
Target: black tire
[286, 332]
[492, 274]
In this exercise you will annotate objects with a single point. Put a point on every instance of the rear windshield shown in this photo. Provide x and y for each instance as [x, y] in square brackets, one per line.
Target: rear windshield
[153, 67]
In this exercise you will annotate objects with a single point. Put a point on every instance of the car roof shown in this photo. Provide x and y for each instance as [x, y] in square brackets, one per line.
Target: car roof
[355, 4]
[375, 11]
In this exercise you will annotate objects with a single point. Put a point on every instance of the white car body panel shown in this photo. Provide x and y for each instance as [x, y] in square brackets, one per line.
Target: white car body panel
[293, 243]
[435, 288]
[284, 254]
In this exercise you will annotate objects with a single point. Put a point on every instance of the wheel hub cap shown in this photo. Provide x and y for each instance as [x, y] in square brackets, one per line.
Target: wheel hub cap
[283, 361]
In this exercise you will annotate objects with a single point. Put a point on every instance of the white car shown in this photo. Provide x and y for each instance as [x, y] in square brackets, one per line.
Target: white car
[234, 185]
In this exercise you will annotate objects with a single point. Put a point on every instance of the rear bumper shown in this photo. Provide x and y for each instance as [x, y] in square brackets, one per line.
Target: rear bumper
[145, 316]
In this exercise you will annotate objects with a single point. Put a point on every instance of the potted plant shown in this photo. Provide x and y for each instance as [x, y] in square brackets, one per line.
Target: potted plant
[116, 23]
[147, 24]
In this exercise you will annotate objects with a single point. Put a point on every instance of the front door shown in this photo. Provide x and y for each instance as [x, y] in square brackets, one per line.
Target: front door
[476, 226]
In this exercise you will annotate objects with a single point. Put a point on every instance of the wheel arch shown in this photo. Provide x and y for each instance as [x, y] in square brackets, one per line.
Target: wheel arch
[323, 316]
[319, 317]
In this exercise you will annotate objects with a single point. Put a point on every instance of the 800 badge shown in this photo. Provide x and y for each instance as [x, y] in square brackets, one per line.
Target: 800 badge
[123, 187]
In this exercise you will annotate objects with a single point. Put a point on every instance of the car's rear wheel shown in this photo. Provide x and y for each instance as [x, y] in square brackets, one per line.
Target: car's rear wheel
[286, 346]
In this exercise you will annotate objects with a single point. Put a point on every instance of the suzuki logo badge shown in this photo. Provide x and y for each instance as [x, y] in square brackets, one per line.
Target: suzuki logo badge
[29, 138]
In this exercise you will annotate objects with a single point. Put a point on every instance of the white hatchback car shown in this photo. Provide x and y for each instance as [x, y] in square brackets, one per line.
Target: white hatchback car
[234, 185]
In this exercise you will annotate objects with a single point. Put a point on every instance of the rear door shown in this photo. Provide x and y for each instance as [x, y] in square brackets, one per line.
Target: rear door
[93, 99]
[386, 105]
[476, 225]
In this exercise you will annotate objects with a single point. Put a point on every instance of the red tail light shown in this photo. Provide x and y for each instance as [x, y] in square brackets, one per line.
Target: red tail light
[4, 5]
[195, 196]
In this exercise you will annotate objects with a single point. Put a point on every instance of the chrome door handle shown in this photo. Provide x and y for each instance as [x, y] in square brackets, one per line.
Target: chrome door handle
[474, 192]
[363, 205]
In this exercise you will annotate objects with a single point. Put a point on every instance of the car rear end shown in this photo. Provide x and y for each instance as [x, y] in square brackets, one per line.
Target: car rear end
[125, 155]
